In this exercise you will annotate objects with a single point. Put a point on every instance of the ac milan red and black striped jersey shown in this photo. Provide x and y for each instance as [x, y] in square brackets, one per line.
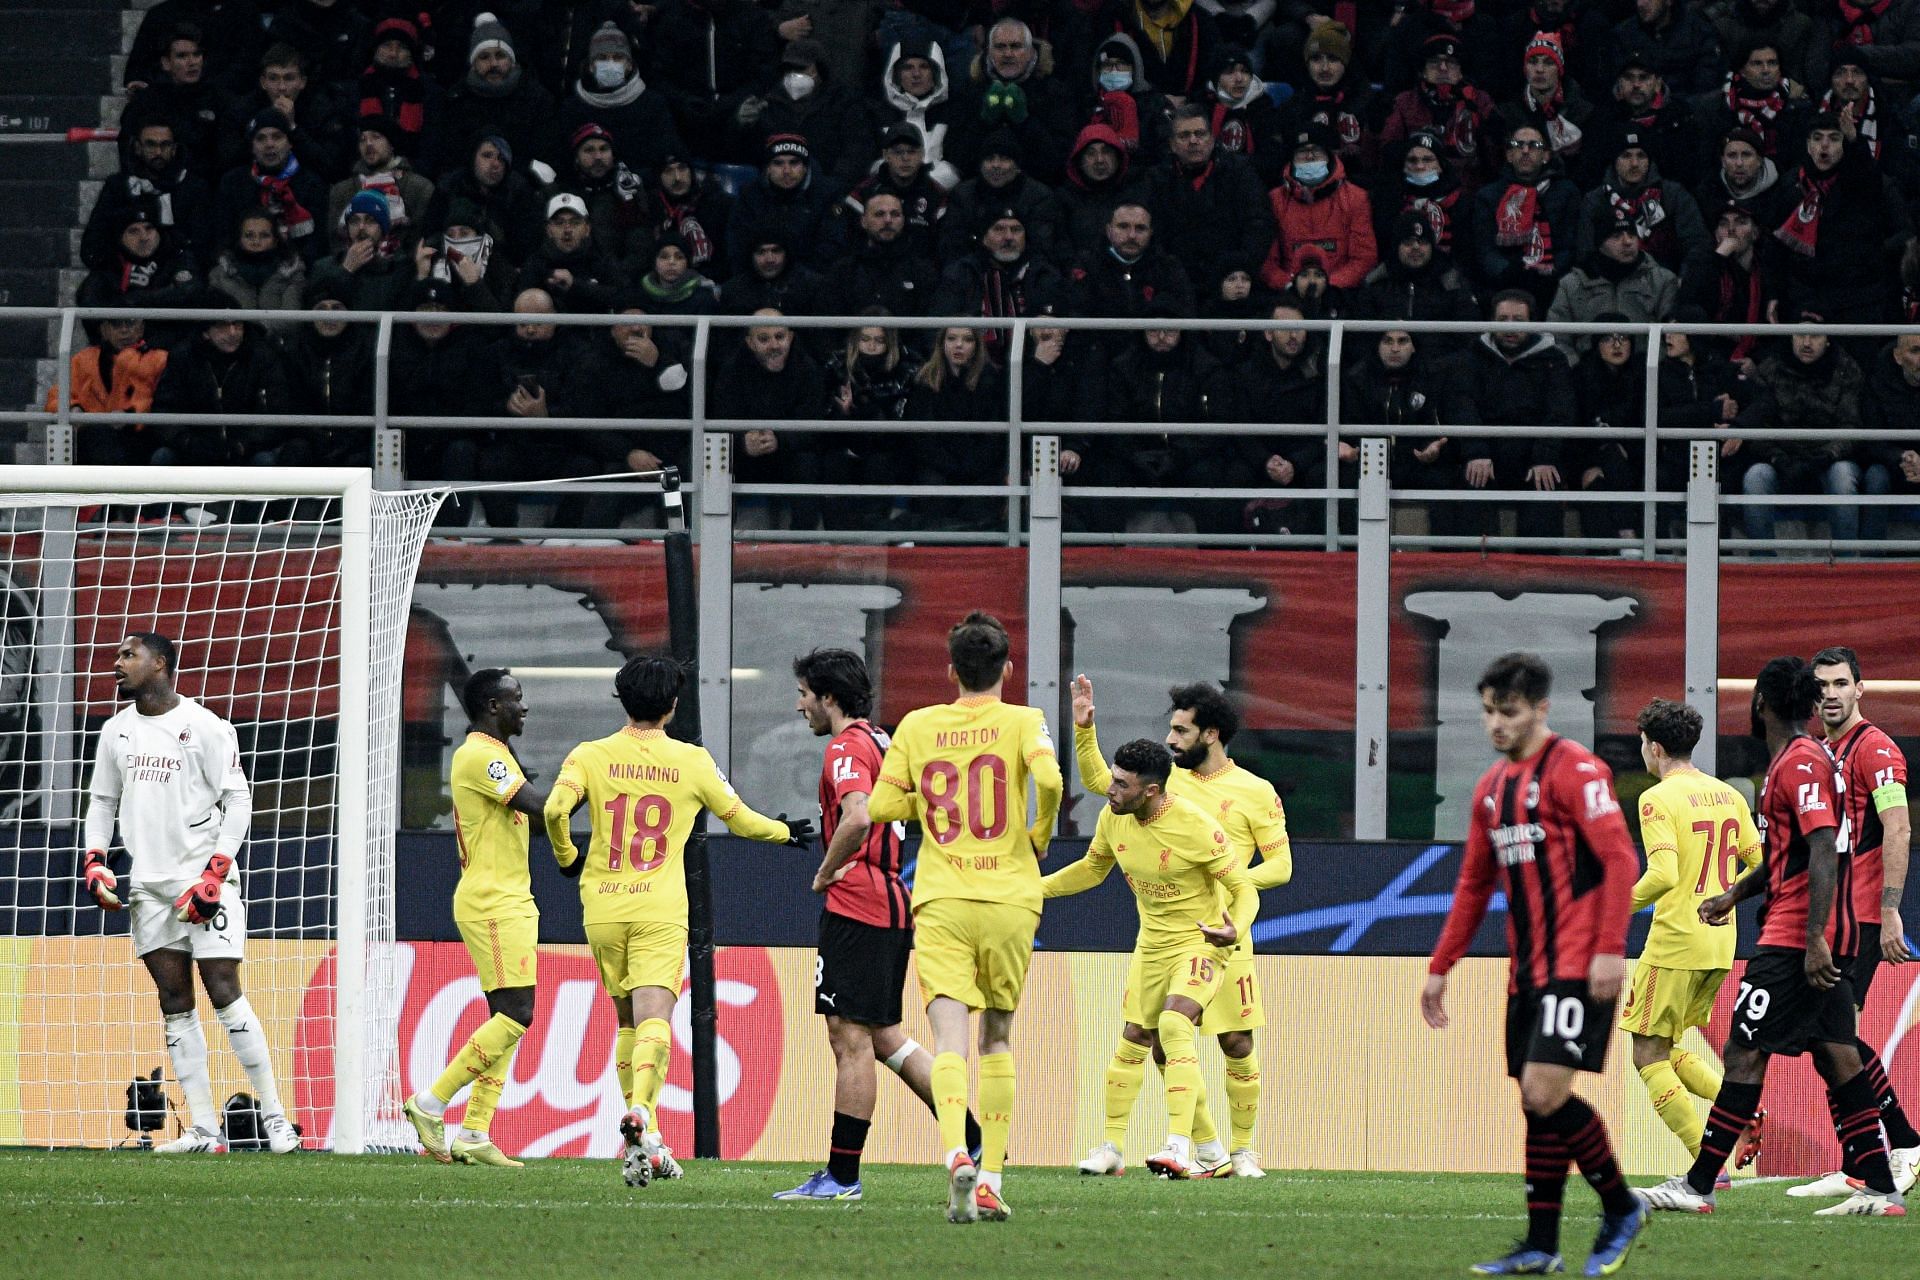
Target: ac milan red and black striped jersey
[871, 891]
[1868, 762]
[1801, 795]
[1548, 831]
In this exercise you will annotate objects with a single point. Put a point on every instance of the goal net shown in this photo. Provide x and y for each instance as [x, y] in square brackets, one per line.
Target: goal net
[286, 593]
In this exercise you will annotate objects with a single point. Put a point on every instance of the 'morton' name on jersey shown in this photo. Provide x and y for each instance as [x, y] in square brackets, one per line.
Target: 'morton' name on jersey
[984, 736]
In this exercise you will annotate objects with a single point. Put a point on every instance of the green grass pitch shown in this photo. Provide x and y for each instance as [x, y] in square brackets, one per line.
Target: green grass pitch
[130, 1215]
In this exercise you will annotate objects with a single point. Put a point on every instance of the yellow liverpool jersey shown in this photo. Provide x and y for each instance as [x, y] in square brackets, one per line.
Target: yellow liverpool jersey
[961, 768]
[642, 790]
[1697, 831]
[494, 881]
[1180, 867]
[1244, 804]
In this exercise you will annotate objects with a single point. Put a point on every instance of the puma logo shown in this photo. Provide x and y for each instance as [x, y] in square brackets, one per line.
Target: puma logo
[828, 999]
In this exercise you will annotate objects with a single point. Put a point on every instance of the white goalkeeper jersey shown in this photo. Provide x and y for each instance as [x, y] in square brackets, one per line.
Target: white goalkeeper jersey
[176, 785]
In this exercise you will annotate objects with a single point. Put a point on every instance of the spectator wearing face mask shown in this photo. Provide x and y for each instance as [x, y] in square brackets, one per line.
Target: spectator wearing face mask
[807, 101]
[1420, 183]
[1447, 104]
[1317, 208]
[609, 91]
[1127, 102]
[467, 256]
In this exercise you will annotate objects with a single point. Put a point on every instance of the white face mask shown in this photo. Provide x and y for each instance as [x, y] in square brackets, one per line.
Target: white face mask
[609, 73]
[798, 84]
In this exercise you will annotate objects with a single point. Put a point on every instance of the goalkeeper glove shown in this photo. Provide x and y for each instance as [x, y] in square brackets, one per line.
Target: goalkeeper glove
[100, 880]
[800, 831]
[199, 904]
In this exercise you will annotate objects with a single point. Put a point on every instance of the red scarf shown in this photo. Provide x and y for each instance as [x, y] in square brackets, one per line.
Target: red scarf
[1517, 224]
[277, 198]
[1198, 178]
[1563, 135]
[1330, 109]
[1644, 211]
[1760, 112]
[685, 219]
[1455, 108]
[1737, 310]
[1654, 108]
[1801, 231]
[1859, 19]
[395, 94]
[1437, 212]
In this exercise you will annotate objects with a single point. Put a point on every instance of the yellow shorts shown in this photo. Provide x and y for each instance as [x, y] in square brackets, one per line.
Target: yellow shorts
[1665, 1002]
[1237, 1007]
[504, 950]
[973, 952]
[639, 953]
[1195, 972]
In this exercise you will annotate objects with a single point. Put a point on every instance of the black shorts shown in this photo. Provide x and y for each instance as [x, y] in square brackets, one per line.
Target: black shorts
[1561, 1026]
[861, 970]
[1861, 968]
[1779, 1011]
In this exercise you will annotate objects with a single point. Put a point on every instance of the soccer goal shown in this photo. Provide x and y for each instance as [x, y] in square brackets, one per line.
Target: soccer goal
[287, 593]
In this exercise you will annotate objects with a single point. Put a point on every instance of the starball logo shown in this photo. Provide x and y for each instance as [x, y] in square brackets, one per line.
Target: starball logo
[562, 1096]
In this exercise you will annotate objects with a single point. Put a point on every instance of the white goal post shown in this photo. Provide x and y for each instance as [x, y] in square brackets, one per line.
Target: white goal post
[287, 592]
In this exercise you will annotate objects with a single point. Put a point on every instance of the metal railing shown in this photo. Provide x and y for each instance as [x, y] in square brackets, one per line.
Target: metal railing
[1035, 494]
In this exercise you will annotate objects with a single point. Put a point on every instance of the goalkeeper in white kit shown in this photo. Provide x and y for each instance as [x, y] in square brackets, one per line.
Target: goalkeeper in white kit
[169, 770]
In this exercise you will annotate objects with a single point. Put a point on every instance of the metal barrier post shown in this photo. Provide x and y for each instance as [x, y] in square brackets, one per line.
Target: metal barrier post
[1650, 418]
[716, 594]
[1370, 646]
[1043, 581]
[1703, 593]
[1016, 363]
[389, 446]
[1336, 347]
[60, 430]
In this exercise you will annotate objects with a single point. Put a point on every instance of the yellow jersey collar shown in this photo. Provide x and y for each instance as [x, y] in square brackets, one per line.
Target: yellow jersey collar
[643, 734]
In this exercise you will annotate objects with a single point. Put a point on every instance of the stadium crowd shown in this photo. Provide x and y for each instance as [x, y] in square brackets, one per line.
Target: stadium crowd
[1741, 161]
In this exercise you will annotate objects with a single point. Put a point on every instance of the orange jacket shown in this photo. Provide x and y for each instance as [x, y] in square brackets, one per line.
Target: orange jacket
[136, 372]
[1333, 220]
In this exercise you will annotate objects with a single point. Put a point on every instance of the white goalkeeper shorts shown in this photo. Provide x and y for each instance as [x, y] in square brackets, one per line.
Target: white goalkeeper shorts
[155, 927]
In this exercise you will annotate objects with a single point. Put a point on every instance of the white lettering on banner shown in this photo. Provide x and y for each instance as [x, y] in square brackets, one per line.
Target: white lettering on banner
[563, 1088]
[1479, 626]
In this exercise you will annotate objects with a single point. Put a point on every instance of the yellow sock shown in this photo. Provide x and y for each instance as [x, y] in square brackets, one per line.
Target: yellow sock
[652, 1050]
[491, 1042]
[1184, 1085]
[996, 1109]
[1124, 1075]
[1671, 1100]
[1204, 1129]
[623, 1060]
[1243, 1098]
[950, 1100]
[1702, 1080]
[487, 1087]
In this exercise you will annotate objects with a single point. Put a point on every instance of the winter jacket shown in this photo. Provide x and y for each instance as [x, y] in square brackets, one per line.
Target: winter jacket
[1100, 284]
[1043, 116]
[333, 37]
[1892, 54]
[973, 199]
[1471, 157]
[1437, 291]
[1669, 221]
[844, 29]
[1848, 278]
[883, 275]
[1768, 200]
[1249, 127]
[1444, 203]
[957, 459]
[1424, 392]
[1645, 293]
[976, 285]
[1888, 403]
[839, 131]
[1790, 31]
[324, 138]
[804, 214]
[1086, 206]
[240, 192]
[332, 375]
[284, 290]
[1220, 210]
[123, 384]
[709, 58]
[1265, 392]
[1784, 138]
[181, 201]
[1532, 387]
[797, 291]
[201, 379]
[525, 115]
[1824, 399]
[1671, 135]
[1183, 385]
[1351, 109]
[923, 203]
[642, 126]
[1685, 51]
[1180, 63]
[936, 115]
[1333, 220]
[409, 196]
[1515, 110]
[1538, 264]
[513, 206]
[597, 278]
[447, 377]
